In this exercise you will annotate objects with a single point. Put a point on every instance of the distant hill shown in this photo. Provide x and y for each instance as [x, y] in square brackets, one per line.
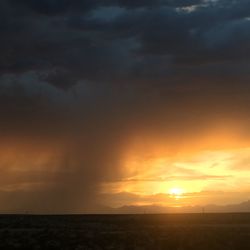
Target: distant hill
[151, 209]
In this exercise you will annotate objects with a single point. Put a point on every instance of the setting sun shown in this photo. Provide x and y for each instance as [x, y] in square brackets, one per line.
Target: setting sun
[176, 192]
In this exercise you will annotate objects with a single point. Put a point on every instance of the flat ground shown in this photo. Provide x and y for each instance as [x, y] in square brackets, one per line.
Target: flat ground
[165, 231]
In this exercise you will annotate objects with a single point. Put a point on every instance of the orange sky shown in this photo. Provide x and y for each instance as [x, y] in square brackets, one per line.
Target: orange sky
[208, 169]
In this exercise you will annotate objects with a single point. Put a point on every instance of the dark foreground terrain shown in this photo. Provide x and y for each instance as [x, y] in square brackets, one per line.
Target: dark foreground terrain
[171, 231]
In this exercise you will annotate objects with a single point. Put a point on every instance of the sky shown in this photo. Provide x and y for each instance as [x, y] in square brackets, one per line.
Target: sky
[119, 103]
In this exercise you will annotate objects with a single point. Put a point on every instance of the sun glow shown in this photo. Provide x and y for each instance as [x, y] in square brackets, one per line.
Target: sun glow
[184, 178]
[176, 192]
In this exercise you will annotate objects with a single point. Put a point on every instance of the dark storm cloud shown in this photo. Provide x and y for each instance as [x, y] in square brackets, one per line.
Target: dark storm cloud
[48, 7]
[87, 76]
[90, 43]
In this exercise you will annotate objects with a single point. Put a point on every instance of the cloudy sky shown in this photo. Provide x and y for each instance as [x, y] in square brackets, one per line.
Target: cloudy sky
[123, 102]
